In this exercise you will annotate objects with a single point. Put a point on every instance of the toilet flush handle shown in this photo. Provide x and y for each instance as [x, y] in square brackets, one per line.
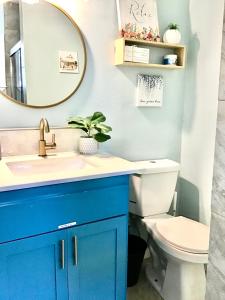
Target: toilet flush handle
[175, 204]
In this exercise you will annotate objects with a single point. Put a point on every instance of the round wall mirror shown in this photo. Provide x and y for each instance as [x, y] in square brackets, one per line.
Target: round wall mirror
[42, 53]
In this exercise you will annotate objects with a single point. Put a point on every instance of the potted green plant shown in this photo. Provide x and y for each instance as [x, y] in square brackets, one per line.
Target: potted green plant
[95, 131]
[172, 34]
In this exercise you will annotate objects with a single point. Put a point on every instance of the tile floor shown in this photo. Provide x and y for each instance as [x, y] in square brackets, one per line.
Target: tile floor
[142, 290]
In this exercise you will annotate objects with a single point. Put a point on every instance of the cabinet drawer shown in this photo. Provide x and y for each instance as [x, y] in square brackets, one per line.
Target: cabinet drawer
[34, 211]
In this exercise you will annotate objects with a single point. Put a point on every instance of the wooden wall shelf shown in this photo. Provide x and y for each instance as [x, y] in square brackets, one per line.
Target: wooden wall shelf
[120, 44]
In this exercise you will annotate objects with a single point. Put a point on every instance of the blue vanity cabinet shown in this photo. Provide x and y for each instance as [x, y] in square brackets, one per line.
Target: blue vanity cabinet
[97, 260]
[65, 241]
[34, 268]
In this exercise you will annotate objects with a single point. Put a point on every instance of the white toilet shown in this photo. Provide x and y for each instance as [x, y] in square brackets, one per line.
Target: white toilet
[179, 246]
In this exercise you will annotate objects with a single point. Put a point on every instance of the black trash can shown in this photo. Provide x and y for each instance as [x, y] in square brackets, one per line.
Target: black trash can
[136, 252]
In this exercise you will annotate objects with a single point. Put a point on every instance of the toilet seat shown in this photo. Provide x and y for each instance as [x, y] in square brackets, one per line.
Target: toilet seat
[178, 244]
[184, 234]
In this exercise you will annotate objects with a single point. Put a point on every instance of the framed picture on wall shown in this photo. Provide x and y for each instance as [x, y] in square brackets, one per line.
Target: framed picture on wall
[149, 90]
[68, 62]
[138, 19]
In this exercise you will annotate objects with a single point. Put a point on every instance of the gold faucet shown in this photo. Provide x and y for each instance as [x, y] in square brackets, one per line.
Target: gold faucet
[43, 146]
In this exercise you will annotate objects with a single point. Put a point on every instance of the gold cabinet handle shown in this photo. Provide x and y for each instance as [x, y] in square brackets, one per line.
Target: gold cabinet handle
[62, 254]
[75, 250]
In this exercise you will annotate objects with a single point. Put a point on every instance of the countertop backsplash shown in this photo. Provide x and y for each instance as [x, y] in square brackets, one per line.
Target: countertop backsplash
[25, 141]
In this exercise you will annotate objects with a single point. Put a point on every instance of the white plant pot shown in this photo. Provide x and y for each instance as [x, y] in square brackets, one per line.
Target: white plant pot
[88, 145]
[172, 36]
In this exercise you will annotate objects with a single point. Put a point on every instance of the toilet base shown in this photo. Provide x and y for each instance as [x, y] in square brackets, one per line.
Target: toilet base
[155, 277]
[184, 281]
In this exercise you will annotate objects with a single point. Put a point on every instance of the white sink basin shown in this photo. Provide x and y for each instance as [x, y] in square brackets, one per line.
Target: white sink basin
[48, 165]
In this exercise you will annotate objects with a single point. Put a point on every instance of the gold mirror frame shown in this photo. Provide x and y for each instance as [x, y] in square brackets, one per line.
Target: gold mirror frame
[82, 75]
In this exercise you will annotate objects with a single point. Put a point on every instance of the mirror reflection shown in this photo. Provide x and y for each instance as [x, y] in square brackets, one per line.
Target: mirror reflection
[42, 53]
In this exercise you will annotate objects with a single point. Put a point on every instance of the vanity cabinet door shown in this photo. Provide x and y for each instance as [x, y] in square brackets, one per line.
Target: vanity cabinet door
[97, 260]
[34, 268]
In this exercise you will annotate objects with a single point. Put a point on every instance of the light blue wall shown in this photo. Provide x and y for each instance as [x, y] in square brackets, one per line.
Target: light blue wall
[138, 133]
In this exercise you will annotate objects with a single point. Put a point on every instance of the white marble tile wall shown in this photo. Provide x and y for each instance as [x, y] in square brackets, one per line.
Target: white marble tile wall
[25, 141]
[218, 195]
[216, 266]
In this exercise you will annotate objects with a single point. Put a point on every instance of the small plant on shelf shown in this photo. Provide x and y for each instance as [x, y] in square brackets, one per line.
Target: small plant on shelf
[95, 131]
[173, 26]
[172, 34]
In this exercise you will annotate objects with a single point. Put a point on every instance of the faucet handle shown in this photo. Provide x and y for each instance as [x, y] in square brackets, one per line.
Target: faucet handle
[53, 140]
[51, 145]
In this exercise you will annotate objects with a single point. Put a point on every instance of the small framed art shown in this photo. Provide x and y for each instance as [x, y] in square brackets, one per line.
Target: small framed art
[68, 62]
[149, 90]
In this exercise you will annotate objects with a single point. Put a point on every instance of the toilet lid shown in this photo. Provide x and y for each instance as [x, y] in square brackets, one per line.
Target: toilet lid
[184, 234]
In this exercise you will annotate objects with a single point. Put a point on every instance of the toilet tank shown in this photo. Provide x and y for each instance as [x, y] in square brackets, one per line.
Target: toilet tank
[153, 187]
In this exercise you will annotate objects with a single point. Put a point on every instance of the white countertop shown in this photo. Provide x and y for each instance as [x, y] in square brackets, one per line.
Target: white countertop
[97, 166]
